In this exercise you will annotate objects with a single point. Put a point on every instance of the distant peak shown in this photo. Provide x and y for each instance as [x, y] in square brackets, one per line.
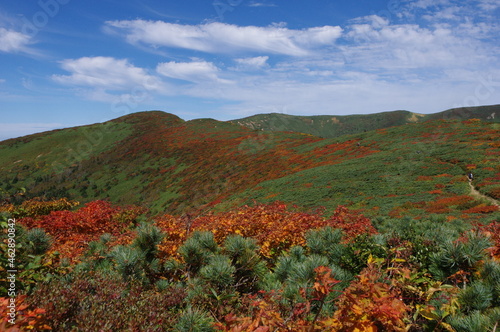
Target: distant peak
[147, 116]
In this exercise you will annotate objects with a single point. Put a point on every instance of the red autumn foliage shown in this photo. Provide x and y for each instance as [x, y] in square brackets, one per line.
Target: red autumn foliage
[482, 208]
[424, 178]
[369, 305]
[71, 230]
[352, 223]
[495, 193]
[437, 191]
[443, 205]
[493, 231]
[27, 318]
[274, 226]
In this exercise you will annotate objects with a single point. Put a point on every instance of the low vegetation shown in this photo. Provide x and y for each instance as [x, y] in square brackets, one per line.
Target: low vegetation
[256, 268]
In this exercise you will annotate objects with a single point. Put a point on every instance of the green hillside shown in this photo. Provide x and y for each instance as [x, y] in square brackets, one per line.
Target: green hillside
[329, 126]
[168, 165]
[414, 167]
[149, 158]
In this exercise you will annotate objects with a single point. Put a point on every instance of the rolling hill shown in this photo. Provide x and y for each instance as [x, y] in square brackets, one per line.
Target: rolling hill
[334, 126]
[169, 165]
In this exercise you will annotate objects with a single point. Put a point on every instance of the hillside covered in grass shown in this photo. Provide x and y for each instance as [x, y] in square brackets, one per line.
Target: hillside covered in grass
[334, 126]
[169, 165]
[415, 169]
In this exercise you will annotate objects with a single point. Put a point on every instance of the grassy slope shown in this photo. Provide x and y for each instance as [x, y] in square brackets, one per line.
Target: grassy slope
[335, 126]
[149, 158]
[171, 165]
[416, 165]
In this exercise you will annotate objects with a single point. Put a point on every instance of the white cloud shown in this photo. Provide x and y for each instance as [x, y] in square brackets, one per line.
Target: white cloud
[106, 72]
[424, 4]
[261, 4]
[437, 60]
[378, 44]
[350, 92]
[489, 5]
[227, 38]
[13, 41]
[253, 63]
[194, 71]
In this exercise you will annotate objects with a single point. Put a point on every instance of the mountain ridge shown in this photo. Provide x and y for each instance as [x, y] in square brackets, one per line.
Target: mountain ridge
[329, 126]
[287, 122]
[169, 165]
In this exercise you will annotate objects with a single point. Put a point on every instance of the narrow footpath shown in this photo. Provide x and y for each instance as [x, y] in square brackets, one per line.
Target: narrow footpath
[475, 193]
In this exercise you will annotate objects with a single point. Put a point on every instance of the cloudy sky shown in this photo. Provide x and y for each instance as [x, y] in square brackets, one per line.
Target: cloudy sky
[72, 62]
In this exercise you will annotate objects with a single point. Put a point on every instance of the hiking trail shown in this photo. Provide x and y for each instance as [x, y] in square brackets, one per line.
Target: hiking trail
[475, 193]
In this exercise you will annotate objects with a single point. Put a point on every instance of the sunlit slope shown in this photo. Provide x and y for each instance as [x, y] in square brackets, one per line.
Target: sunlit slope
[335, 126]
[150, 158]
[418, 169]
[169, 165]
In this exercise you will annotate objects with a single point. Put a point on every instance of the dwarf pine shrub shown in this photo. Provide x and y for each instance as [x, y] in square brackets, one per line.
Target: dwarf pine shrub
[287, 262]
[296, 270]
[218, 272]
[128, 262]
[194, 320]
[147, 240]
[475, 322]
[37, 241]
[297, 253]
[490, 274]
[327, 242]
[197, 250]
[97, 256]
[244, 255]
[162, 285]
[303, 272]
[459, 255]
[476, 296]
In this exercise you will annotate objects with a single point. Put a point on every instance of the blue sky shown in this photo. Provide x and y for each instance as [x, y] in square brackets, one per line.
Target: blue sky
[72, 62]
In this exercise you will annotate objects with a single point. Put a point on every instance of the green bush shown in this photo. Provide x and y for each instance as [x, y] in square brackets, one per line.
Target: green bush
[194, 320]
[198, 249]
[219, 272]
[459, 255]
[128, 262]
[37, 241]
[147, 240]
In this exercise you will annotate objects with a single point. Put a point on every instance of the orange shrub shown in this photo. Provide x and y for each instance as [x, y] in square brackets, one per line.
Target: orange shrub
[437, 191]
[176, 231]
[493, 231]
[273, 226]
[495, 193]
[442, 205]
[26, 318]
[369, 305]
[424, 178]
